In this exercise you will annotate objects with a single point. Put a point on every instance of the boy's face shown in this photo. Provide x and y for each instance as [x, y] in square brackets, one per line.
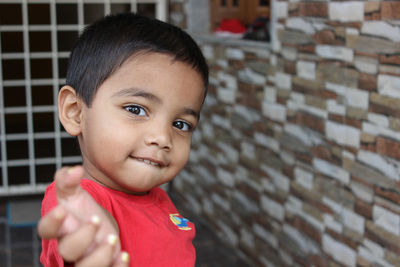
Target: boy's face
[137, 132]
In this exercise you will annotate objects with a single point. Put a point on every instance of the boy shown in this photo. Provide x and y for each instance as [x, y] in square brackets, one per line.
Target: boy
[135, 87]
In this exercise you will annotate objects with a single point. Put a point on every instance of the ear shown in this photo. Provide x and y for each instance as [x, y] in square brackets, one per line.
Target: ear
[70, 110]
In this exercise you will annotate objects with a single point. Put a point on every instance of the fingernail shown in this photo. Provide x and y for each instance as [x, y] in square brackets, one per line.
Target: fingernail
[59, 213]
[71, 170]
[112, 239]
[95, 220]
[125, 257]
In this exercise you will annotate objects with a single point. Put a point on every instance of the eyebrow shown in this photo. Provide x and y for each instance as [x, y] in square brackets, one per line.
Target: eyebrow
[192, 112]
[137, 92]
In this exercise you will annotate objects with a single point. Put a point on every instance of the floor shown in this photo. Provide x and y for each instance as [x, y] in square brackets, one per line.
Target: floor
[20, 246]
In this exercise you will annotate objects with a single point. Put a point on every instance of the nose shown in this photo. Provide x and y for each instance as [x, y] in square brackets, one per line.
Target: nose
[159, 134]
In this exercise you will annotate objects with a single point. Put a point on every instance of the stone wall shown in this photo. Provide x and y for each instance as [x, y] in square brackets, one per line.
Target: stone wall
[296, 161]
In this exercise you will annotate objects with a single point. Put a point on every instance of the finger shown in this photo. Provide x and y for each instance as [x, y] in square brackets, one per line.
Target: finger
[50, 224]
[67, 181]
[74, 245]
[122, 260]
[101, 256]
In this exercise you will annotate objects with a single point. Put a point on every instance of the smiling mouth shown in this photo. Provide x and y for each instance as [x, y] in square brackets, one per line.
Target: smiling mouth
[150, 162]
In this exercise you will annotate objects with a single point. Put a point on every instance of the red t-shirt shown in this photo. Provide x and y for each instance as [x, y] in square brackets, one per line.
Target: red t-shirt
[151, 229]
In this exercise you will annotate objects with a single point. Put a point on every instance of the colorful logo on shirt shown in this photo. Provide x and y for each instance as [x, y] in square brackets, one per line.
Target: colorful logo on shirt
[179, 221]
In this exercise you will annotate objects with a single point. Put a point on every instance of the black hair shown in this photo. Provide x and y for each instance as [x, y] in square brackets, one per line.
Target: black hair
[105, 45]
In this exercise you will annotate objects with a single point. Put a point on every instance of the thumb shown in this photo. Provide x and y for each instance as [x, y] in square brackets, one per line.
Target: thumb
[67, 182]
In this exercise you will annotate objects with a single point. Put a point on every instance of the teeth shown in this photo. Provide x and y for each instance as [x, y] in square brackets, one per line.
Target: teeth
[148, 162]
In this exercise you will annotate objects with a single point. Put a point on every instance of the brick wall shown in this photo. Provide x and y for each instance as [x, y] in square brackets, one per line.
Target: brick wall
[296, 160]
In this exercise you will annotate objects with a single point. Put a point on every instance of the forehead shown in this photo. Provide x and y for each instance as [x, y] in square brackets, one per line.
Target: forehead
[159, 73]
[144, 56]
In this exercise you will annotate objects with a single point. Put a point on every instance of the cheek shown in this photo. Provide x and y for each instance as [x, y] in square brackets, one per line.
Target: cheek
[105, 142]
[183, 152]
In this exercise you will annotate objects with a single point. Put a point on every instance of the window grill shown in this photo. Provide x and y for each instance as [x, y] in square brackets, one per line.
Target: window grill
[35, 39]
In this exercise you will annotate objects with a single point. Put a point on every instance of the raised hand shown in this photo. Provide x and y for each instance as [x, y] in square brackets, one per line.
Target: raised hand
[87, 234]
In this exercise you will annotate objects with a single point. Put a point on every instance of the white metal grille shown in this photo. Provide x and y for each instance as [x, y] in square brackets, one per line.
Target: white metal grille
[35, 39]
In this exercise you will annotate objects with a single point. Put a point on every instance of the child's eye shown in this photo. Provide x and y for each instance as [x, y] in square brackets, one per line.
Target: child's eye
[137, 110]
[184, 126]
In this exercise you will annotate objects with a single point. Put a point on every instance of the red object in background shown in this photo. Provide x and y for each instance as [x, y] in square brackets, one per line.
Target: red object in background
[231, 26]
